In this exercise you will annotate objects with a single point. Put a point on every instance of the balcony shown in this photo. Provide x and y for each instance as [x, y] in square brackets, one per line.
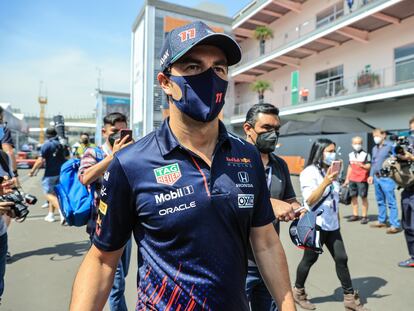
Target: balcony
[312, 36]
[365, 86]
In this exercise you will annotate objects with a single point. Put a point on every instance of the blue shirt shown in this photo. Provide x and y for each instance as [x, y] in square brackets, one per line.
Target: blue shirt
[7, 138]
[54, 154]
[191, 222]
[379, 155]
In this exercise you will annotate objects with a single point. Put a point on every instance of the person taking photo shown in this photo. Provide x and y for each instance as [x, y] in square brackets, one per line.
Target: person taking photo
[319, 185]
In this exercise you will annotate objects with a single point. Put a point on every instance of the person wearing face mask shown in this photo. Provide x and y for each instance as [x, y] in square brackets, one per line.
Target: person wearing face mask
[262, 130]
[93, 165]
[384, 185]
[320, 187]
[407, 207]
[80, 147]
[357, 179]
[7, 145]
[177, 190]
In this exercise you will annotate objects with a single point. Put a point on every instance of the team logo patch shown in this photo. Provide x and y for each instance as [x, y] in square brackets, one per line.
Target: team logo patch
[178, 208]
[164, 57]
[243, 177]
[103, 207]
[187, 34]
[168, 174]
[245, 200]
[103, 191]
[106, 176]
[239, 162]
[172, 195]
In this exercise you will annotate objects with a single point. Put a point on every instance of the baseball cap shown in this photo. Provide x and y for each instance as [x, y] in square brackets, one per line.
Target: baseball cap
[182, 39]
[305, 233]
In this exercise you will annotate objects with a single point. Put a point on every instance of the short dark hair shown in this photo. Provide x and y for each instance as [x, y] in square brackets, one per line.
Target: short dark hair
[316, 152]
[411, 121]
[114, 117]
[84, 134]
[251, 116]
[51, 132]
[1, 110]
[379, 130]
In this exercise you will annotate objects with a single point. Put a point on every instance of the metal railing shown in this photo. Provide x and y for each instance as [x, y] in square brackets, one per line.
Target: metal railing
[290, 35]
[364, 81]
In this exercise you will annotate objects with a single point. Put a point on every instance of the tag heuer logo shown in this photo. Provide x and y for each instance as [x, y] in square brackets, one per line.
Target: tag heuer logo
[168, 174]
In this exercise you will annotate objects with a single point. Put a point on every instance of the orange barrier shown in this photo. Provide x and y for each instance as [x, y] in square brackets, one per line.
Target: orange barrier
[296, 164]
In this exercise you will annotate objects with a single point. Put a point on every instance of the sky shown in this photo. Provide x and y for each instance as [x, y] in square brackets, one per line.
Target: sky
[67, 44]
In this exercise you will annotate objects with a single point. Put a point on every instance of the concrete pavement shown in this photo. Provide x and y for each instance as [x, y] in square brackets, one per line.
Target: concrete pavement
[46, 257]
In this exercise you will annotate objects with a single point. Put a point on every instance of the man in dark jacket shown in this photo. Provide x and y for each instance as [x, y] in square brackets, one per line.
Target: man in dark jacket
[407, 205]
[262, 129]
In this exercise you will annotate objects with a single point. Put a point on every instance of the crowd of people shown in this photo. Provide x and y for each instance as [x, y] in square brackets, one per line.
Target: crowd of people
[204, 205]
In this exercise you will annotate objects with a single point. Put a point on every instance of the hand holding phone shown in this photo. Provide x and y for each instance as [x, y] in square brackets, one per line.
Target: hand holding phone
[126, 132]
[336, 167]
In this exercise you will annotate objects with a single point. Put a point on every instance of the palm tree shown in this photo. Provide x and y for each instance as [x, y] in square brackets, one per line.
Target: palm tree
[263, 33]
[260, 86]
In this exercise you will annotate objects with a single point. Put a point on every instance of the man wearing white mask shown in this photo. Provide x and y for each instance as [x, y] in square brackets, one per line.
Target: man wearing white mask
[384, 186]
[357, 179]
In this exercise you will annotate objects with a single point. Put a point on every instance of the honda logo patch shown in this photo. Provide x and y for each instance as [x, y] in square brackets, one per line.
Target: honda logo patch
[243, 177]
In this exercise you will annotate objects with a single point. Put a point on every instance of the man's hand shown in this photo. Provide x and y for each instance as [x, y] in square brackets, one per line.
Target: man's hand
[406, 156]
[5, 208]
[94, 280]
[370, 180]
[6, 186]
[271, 261]
[298, 209]
[16, 182]
[346, 183]
[120, 143]
[282, 210]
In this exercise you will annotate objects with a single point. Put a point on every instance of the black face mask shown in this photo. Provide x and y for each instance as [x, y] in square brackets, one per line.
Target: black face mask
[85, 141]
[266, 142]
[114, 137]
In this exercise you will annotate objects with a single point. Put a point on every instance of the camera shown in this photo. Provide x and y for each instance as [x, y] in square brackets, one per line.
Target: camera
[59, 124]
[401, 145]
[401, 171]
[21, 202]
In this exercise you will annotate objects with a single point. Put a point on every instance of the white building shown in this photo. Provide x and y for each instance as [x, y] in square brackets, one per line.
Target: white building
[108, 102]
[155, 19]
[352, 61]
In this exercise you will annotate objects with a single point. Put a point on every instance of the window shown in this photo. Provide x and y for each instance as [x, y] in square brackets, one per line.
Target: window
[404, 63]
[330, 14]
[329, 82]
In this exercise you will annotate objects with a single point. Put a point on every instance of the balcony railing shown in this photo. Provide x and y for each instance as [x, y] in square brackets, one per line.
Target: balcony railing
[364, 81]
[290, 35]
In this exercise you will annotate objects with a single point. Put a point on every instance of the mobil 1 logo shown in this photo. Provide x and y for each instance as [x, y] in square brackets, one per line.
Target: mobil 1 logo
[173, 194]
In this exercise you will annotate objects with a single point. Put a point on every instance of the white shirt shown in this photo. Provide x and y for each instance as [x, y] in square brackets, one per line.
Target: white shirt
[310, 179]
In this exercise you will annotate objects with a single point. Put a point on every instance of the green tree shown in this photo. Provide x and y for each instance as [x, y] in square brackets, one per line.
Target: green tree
[260, 86]
[263, 33]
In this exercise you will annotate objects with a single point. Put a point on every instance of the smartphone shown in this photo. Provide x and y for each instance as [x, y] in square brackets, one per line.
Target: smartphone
[126, 132]
[336, 166]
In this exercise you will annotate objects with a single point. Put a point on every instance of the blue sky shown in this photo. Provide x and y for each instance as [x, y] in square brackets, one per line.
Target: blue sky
[63, 42]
